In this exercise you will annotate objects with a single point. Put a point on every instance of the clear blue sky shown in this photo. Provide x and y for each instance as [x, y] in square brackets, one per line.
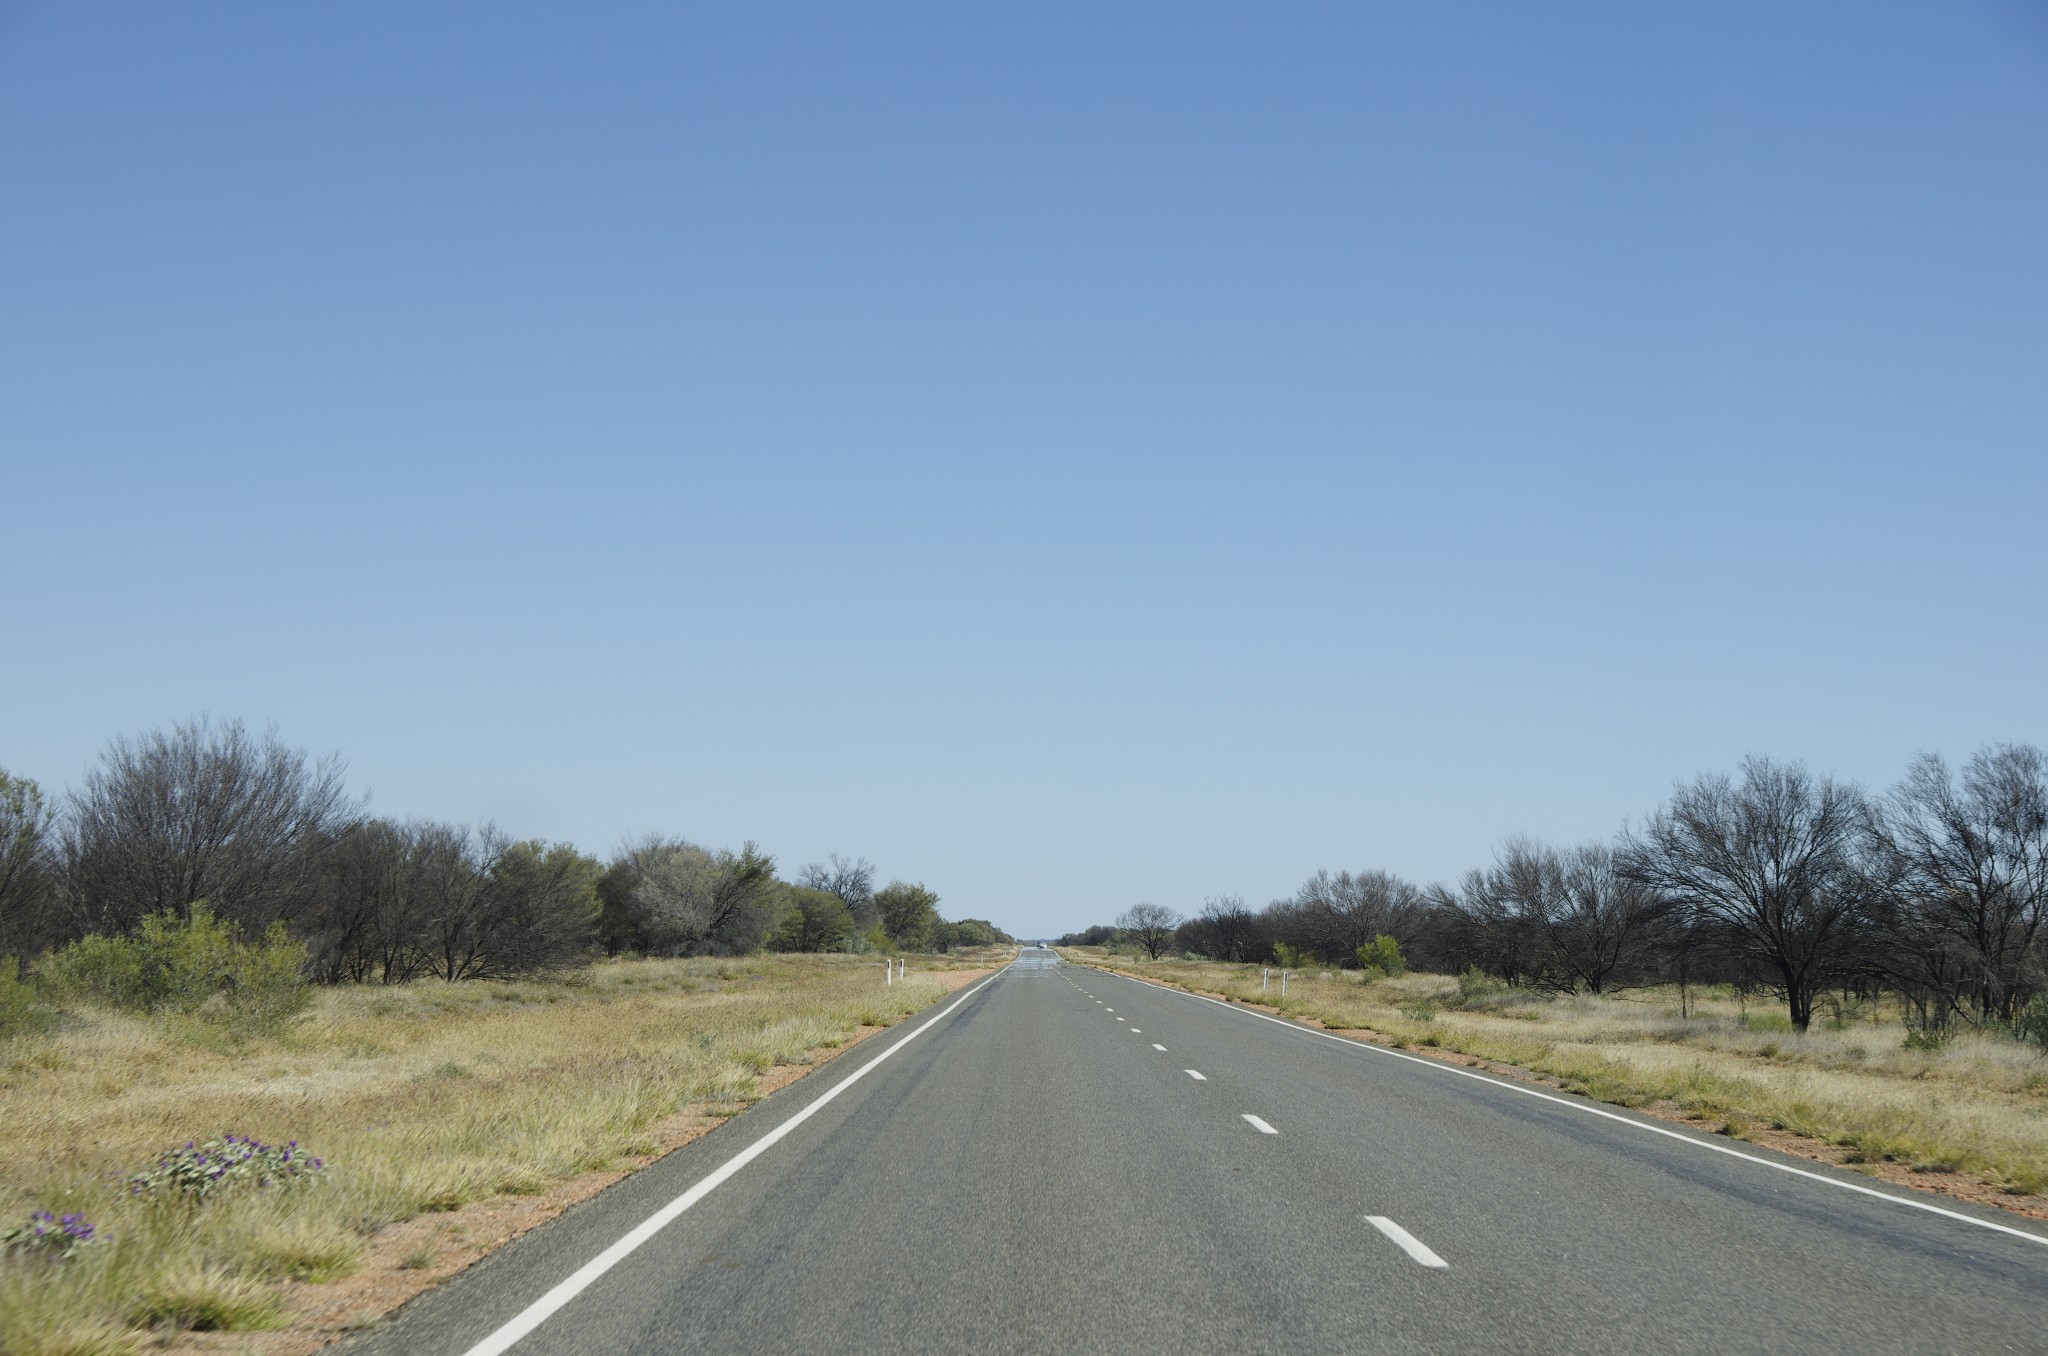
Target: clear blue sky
[1067, 453]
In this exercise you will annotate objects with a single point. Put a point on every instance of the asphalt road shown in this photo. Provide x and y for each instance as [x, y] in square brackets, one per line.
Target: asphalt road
[1063, 1160]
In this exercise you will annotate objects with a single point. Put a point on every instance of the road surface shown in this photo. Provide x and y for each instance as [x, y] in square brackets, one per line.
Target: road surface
[1061, 1160]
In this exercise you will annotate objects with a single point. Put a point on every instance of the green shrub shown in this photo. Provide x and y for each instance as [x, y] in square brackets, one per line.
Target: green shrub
[20, 1014]
[1931, 1033]
[1292, 957]
[2032, 1023]
[1382, 956]
[1476, 986]
[195, 965]
[47, 1235]
[201, 1170]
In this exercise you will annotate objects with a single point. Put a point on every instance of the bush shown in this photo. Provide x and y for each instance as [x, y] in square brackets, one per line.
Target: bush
[46, 1235]
[1476, 986]
[1296, 958]
[1382, 955]
[200, 1170]
[20, 1014]
[195, 965]
[2032, 1023]
[1928, 1033]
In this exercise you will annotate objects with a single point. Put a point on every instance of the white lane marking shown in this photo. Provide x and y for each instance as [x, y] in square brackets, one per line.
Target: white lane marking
[538, 1312]
[1197, 1075]
[1136, 1032]
[1410, 1244]
[1258, 1124]
[1683, 1138]
[1109, 1009]
[1160, 1048]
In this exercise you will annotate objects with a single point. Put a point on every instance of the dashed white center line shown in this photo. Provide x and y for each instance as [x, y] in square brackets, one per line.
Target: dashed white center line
[1160, 1048]
[1258, 1124]
[1196, 1074]
[1136, 1032]
[1408, 1242]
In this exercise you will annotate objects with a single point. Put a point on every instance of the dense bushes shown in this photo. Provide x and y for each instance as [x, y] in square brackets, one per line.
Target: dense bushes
[194, 965]
[209, 870]
[406, 901]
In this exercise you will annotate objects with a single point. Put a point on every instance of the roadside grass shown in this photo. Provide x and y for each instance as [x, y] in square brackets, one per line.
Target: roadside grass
[420, 1098]
[1978, 1106]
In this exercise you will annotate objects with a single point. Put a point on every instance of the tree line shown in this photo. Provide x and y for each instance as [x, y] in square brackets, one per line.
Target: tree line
[1768, 878]
[255, 833]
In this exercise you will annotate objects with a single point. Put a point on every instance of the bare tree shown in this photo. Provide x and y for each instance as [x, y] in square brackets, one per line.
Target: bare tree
[1339, 914]
[1968, 857]
[1484, 927]
[852, 881]
[202, 812]
[346, 938]
[27, 890]
[445, 929]
[1150, 926]
[1223, 930]
[1772, 863]
[1583, 920]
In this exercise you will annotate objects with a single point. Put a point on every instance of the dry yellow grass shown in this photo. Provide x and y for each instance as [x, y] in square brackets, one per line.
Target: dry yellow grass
[420, 1098]
[1978, 1107]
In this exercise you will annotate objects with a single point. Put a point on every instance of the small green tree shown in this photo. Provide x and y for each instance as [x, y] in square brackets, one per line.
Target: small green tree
[1293, 957]
[1382, 957]
[814, 920]
[909, 913]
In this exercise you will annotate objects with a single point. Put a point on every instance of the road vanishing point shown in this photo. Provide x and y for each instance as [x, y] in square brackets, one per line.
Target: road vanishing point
[1060, 1160]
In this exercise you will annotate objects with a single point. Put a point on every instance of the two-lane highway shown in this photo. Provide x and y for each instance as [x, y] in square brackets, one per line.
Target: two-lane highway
[1065, 1160]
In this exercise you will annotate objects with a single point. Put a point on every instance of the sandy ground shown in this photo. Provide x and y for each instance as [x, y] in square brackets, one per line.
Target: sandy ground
[406, 1259]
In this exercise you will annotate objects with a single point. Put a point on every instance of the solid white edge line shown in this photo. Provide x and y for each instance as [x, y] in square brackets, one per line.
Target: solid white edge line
[1410, 1244]
[1590, 1110]
[1258, 1124]
[538, 1312]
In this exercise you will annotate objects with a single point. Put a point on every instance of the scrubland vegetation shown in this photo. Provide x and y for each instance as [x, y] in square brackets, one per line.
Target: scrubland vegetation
[245, 1024]
[1769, 948]
[1975, 1104]
[415, 1098]
[1928, 900]
[267, 837]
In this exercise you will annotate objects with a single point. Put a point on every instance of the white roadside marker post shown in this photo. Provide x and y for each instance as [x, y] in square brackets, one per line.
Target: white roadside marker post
[1265, 977]
[1283, 984]
[888, 973]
